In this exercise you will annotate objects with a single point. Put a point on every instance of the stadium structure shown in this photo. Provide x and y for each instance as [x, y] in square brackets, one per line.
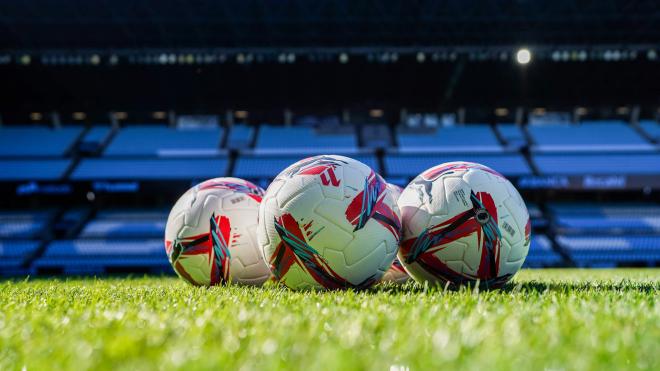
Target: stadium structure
[110, 110]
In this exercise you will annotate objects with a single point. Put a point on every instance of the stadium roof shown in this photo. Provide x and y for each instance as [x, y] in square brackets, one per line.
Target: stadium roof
[71, 24]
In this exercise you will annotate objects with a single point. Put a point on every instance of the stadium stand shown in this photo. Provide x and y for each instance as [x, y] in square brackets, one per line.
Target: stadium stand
[150, 169]
[513, 136]
[163, 141]
[95, 139]
[608, 234]
[27, 170]
[122, 224]
[541, 253]
[652, 129]
[102, 256]
[305, 140]
[409, 165]
[113, 240]
[81, 239]
[37, 141]
[450, 139]
[21, 235]
[240, 137]
[590, 136]
[597, 163]
[610, 251]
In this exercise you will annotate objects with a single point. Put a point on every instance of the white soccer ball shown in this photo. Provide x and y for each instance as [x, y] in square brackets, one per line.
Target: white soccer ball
[211, 234]
[328, 222]
[462, 223]
[396, 273]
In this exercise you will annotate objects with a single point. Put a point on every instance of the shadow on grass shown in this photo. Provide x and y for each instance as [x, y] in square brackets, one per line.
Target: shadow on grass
[529, 287]
[411, 287]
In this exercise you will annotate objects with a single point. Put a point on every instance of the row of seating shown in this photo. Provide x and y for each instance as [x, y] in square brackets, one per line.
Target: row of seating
[398, 167]
[588, 235]
[607, 234]
[161, 141]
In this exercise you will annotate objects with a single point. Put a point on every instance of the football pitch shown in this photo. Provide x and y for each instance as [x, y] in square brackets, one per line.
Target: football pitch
[544, 319]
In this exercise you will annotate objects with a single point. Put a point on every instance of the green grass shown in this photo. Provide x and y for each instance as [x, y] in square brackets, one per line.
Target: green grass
[546, 319]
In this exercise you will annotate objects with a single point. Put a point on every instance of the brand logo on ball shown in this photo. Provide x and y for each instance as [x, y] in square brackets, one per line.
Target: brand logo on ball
[323, 165]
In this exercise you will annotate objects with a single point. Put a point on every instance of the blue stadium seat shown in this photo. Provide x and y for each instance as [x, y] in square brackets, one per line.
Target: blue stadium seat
[27, 170]
[37, 141]
[410, 165]
[611, 251]
[126, 224]
[240, 137]
[149, 169]
[585, 224]
[23, 225]
[468, 138]
[651, 128]
[590, 136]
[95, 138]
[164, 141]
[267, 167]
[101, 256]
[513, 135]
[541, 253]
[589, 218]
[604, 209]
[304, 140]
[14, 254]
[589, 163]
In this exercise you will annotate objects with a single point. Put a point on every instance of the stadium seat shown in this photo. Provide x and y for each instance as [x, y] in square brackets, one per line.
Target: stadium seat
[14, 255]
[164, 141]
[305, 140]
[126, 224]
[513, 135]
[24, 225]
[240, 137]
[604, 163]
[604, 209]
[33, 170]
[588, 137]
[611, 251]
[375, 136]
[102, 256]
[37, 141]
[541, 253]
[94, 139]
[585, 218]
[583, 224]
[469, 138]
[652, 129]
[410, 165]
[149, 169]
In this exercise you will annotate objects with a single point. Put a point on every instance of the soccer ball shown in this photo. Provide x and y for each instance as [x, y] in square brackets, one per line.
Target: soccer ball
[328, 222]
[396, 273]
[210, 237]
[462, 223]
